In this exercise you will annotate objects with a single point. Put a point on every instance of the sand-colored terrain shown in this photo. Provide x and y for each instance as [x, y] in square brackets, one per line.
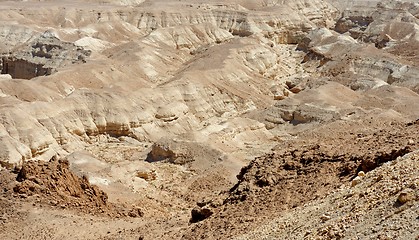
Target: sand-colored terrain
[243, 119]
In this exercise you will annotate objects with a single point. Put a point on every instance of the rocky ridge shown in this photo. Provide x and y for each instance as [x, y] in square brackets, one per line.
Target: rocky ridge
[381, 206]
[174, 97]
[298, 172]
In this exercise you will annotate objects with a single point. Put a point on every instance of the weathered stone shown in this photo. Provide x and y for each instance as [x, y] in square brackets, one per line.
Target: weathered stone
[199, 214]
[325, 218]
[42, 56]
[406, 196]
[357, 180]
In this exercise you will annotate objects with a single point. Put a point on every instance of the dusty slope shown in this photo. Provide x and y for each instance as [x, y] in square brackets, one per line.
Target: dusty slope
[302, 170]
[161, 103]
[382, 206]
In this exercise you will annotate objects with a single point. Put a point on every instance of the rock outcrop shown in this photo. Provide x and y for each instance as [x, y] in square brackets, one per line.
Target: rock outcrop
[58, 184]
[161, 103]
[41, 57]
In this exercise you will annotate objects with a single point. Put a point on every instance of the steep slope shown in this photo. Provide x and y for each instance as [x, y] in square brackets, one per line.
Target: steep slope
[383, 206]
[161, 104]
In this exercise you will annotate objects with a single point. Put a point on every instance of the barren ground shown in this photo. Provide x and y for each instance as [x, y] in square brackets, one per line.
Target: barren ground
[241, 119]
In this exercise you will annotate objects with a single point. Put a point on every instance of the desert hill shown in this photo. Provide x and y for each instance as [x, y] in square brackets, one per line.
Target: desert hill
[246, 119]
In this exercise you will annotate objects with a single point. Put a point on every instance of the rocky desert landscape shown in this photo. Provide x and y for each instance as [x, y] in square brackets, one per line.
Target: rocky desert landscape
[216, 119]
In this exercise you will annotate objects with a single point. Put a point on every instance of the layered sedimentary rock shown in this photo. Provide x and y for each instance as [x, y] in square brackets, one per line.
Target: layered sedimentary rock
[161, 103]
[144, 49]
[173, 54]
[41, 56]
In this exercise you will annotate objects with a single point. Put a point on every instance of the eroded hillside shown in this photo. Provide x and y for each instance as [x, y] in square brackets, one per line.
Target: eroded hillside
[207, 119]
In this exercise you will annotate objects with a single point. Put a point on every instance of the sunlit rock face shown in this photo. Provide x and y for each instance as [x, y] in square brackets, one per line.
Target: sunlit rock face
[41, 57]
[208, 119]
[157, 69]
[146, 71]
